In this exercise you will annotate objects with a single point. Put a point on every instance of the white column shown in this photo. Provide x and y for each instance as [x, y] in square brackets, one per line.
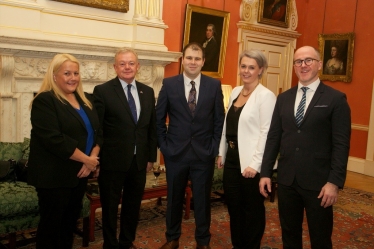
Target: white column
[140, 9]
[7, 112]
[154, 10]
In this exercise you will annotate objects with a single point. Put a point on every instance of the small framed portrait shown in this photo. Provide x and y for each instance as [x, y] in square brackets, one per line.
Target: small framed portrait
[115, 5]
[209, 27]
[337, 56]
[274, 12]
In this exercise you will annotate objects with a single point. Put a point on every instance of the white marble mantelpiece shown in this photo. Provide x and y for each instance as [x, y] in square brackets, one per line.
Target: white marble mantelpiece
[23, 63]
[33, 31]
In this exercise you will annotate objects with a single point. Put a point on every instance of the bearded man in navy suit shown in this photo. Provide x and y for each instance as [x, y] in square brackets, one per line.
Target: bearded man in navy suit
[194, 104]
[312, 139]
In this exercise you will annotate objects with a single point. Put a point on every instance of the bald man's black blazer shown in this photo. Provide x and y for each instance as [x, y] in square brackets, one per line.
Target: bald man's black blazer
[316, 152]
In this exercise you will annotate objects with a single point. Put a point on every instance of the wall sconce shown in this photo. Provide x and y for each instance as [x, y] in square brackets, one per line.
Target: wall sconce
[226, 90]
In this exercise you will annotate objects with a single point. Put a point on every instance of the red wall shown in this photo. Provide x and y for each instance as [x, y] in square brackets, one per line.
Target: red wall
[337, 16]
[314, 17]
[174, 16]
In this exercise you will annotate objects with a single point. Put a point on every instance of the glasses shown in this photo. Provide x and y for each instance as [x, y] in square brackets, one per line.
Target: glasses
[307, 61]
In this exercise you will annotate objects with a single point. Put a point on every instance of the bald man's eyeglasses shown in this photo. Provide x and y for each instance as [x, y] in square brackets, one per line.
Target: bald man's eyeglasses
[307, 61]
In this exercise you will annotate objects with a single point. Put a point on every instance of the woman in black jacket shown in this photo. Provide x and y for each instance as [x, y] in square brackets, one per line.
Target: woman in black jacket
[64, 148]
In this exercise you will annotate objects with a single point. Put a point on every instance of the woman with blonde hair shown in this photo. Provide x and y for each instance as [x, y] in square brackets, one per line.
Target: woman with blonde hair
[64, 148]
[241, 149]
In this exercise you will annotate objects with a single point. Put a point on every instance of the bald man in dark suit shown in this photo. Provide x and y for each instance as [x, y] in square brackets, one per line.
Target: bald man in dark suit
[310, 129]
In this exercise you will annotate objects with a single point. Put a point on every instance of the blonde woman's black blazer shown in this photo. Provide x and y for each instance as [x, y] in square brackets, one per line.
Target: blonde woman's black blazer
[57, 130]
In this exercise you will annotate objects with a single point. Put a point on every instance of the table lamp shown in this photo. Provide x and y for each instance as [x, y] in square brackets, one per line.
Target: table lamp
[226, 90]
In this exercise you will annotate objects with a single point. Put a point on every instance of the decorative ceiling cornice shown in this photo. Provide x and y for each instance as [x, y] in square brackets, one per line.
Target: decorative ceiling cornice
[280, 32]
[38, 48]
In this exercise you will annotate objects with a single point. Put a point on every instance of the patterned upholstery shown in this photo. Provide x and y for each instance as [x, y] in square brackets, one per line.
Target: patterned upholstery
[18, 200]
[19, 223]
[10, 151]
[26, 148]
[86, 207]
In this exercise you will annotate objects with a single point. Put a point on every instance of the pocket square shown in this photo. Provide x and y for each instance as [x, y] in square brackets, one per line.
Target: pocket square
[321, 106]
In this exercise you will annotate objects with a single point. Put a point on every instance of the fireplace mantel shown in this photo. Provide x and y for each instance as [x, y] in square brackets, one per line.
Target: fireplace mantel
[32, 32]
[23, 64]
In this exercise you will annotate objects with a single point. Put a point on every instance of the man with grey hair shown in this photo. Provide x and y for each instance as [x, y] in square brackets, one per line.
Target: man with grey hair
[126, 110]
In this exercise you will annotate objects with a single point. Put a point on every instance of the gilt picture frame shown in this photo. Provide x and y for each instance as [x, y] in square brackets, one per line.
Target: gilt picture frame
[115, 5]
[337, 56]
[197, 21]
[274, 12]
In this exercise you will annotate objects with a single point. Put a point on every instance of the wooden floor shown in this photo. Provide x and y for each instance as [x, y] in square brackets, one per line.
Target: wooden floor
[360, 181]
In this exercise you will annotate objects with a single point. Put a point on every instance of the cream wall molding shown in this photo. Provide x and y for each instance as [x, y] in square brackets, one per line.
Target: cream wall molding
[359, 127]
[370, 143]
[35, 48]
[360, 165]
[89, 16]
[29, 4]
[141, 27]
[86, 16]
[268, 30]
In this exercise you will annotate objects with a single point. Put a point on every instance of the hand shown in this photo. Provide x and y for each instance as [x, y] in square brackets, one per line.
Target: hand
[219, 162]
[92, 162]
[265, 186]
[96, 172]
[84, 172]
[249, 172]
[329, 194]
[149, 166]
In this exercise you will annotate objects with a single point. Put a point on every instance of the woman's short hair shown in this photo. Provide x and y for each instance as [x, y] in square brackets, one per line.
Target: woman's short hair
[258, 56]
[49, 84]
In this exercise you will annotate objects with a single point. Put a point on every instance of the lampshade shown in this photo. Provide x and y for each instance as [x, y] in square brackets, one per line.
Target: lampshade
[226, 90]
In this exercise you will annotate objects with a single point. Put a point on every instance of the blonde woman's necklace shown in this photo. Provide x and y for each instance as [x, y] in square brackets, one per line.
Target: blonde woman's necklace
[246, 95]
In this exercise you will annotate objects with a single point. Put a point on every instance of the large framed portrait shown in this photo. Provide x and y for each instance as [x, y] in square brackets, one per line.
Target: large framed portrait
[115, 5]
[274, 12]
[337, 56]
[209, 27]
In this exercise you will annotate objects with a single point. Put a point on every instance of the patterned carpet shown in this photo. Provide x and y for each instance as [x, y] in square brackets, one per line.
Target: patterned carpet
[353, 225]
